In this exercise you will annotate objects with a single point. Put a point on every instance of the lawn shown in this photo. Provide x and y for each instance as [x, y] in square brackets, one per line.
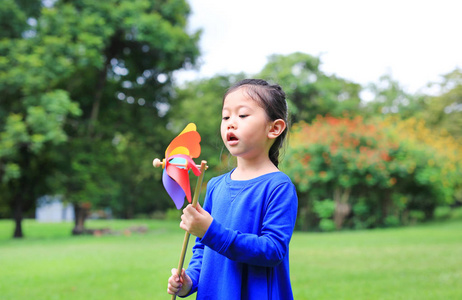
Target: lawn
[421, 262]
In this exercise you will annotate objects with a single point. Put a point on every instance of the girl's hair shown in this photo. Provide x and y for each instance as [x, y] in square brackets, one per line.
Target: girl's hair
[273, 100]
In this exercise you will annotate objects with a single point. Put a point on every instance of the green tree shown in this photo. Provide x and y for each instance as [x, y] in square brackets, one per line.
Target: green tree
[115, 59]
[389, 97]
[32, 115]
[444, 111]
[311, 92]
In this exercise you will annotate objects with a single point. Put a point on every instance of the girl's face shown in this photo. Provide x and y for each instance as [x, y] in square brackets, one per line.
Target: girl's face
[245, 126]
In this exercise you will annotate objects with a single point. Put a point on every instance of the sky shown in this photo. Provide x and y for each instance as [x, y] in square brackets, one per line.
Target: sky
[359, 40]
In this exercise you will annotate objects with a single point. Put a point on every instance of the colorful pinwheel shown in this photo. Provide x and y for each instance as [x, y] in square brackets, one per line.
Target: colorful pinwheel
[177, 163]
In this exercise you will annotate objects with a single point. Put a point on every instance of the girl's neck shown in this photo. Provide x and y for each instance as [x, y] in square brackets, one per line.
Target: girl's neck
[246, 169]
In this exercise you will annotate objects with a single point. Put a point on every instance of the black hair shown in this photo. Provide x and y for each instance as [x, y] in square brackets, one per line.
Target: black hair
[272, 99]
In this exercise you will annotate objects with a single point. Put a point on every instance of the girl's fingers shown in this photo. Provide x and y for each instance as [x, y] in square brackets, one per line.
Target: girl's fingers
[176, 277]
[175, 282]
[173, 290]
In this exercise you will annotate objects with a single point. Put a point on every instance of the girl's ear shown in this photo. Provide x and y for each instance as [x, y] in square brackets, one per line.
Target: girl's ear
[276, 128]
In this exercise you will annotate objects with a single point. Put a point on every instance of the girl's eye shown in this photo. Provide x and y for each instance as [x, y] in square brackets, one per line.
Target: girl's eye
[243, 116]
[225, 118]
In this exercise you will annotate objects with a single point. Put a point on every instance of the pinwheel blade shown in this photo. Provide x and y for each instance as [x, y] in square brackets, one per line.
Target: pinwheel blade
[187, 142]
[181, 177]
[173, 189]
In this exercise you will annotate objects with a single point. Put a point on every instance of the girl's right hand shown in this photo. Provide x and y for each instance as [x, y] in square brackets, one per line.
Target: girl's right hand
[179, 285]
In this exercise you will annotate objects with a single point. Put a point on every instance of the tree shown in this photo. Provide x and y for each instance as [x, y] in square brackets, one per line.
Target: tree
[310, 92]
[113, 58]
[390, 98]
[444, 111]
[32, 115]
[339, 158]
[377, 171]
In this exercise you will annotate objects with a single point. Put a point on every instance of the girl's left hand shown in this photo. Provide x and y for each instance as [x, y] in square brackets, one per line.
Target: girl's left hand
[196, 221]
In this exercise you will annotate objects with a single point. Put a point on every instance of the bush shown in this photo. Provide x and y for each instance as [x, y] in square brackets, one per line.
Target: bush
[382, 171]
[324, 209]
[442, 212]
[327, 225]
[173, 214]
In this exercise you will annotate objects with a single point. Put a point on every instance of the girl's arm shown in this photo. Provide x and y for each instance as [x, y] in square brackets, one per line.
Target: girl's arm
[270, 247]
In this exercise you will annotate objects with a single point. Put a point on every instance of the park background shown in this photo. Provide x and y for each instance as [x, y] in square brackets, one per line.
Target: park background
[91, 93]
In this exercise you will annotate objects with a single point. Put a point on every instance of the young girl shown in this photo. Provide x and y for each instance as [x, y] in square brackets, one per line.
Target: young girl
[243, 231]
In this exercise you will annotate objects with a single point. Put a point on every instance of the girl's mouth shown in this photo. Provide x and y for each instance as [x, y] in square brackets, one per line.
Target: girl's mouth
[231, 139]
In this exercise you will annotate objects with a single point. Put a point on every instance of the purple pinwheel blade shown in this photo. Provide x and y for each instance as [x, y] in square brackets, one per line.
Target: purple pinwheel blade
[173, 189]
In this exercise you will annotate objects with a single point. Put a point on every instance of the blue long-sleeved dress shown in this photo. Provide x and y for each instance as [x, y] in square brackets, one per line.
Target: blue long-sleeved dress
[245, 252]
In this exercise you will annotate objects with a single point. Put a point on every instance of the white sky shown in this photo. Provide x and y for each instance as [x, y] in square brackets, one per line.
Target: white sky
[359, 40]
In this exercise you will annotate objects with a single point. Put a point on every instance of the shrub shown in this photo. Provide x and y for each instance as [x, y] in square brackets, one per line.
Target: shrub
[376, 171]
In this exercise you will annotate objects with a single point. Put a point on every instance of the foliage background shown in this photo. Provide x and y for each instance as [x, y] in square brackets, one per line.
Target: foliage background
[88, 99]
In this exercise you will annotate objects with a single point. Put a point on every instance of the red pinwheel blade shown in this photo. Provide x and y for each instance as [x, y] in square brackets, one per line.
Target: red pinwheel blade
[181, 177]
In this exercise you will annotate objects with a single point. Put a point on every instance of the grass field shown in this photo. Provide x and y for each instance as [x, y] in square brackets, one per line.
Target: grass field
[421, 262]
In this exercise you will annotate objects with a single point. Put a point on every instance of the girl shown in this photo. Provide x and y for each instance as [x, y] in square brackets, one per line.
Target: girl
[243, 231]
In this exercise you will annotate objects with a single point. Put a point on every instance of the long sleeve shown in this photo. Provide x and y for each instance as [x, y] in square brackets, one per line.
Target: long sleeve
[267, 248]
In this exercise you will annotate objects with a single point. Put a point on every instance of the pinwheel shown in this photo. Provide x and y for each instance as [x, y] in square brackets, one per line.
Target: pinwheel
[177, 163]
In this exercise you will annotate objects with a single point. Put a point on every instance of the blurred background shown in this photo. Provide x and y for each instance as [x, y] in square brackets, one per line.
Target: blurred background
[92, 92]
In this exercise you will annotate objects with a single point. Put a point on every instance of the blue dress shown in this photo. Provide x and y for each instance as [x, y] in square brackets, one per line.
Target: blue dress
[245, 252]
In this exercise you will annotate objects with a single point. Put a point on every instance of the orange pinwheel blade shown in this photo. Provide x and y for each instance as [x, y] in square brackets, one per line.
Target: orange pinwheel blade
[187, 143]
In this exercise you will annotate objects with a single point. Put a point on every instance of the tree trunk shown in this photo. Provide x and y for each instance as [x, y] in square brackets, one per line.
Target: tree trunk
[342, 207]
[387, 205]
[101, 81]
[20, 193]
[18, 218]
[81, 212]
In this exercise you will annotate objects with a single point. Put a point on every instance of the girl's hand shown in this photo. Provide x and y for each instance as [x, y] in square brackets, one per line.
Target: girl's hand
[196, 221]
[179, 285]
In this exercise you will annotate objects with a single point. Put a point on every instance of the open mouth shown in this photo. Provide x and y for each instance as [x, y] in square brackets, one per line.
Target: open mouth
[230, 137]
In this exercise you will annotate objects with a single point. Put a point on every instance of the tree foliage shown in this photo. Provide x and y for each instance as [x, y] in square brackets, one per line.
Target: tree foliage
[94, 74]
[443, 112]
[88, 100]
[311, 92]
[377, 171]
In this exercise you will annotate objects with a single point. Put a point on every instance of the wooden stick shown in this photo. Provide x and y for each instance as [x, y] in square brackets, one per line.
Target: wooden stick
[197, 192]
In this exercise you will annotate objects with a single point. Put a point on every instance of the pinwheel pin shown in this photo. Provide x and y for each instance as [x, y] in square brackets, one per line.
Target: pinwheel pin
[177, 163]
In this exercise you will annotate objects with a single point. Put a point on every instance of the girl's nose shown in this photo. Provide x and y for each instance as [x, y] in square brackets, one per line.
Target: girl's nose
[231, 124]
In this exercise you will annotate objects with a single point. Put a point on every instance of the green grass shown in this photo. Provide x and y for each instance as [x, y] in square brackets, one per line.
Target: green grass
[422, 262]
